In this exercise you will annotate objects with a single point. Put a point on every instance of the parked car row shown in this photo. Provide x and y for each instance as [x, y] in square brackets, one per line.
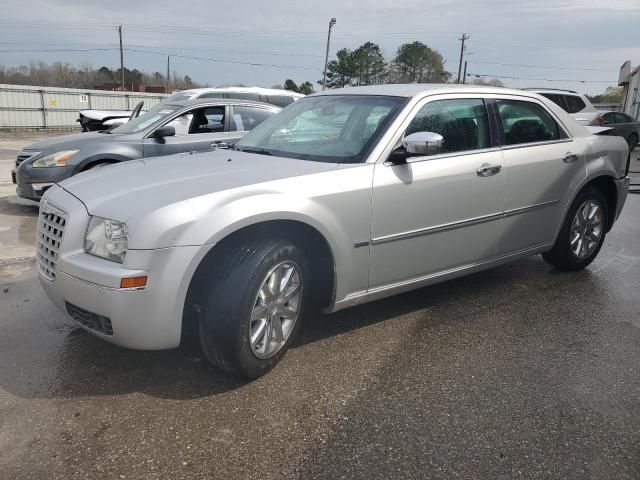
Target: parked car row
[92, 120]
[173, 126]
[583, 111]
[343, 197]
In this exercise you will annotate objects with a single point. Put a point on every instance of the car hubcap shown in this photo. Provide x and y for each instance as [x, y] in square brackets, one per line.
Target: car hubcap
[586, 229]
[275, 310]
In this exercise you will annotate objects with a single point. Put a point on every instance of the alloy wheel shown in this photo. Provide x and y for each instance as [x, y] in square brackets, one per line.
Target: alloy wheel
[586, 229]
[275, 309]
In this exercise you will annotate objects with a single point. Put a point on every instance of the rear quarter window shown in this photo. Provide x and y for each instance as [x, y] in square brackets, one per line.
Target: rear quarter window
[557, 99]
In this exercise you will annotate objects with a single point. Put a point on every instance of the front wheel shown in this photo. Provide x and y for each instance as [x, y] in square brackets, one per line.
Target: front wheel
[255, 306]
[632, 141]
[582, 233]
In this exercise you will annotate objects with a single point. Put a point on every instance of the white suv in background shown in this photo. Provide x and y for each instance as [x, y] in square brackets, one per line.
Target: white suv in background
[574, 103]
[277, 97]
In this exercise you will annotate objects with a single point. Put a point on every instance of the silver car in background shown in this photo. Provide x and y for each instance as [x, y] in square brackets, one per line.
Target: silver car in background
[344, 197]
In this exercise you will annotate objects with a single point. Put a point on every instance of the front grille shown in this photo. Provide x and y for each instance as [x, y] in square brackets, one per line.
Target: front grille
[49, 236]
[92, 321]
[24, 156]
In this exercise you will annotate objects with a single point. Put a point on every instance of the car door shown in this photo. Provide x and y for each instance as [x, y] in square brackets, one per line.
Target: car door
[543, 166]
[442, 211]
[245, 118]
[197, 129]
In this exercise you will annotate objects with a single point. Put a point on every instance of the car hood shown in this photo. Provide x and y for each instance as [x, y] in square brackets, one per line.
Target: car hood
[138, 187]
[69, 142]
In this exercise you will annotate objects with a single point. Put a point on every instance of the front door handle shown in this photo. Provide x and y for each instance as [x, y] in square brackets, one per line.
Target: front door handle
[487, 170]
[570, 157]
[219, 144]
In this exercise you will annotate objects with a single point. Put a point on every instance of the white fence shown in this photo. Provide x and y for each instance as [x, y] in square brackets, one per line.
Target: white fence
[50, 107]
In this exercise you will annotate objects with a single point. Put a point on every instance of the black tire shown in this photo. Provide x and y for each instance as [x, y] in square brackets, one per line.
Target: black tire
[97, 165]
[632, 141]
[561, 255]
[228, 304]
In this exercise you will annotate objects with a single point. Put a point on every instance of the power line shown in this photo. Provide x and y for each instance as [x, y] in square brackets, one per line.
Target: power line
[478, 75]
[254, 64]
[148, 52]
[60, 50]
[542, 66]
[165, 47]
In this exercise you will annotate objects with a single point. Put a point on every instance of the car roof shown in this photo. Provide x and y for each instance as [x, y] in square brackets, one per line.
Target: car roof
[258, 90]
[552, 90]
[220, 101]
[421, 89]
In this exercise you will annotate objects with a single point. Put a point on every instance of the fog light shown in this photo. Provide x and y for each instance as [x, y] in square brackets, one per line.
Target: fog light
[133, 282]
[41, 186]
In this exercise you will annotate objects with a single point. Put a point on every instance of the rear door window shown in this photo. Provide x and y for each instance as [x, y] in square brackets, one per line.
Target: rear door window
[246, 118]
[622, 118]
[527, 122]
[213, 95]
[574, 103]
[609, 118]
[244, 96]
[279, 100]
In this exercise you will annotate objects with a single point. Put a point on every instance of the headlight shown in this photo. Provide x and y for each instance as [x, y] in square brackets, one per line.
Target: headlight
[58, 159]
[107, 239]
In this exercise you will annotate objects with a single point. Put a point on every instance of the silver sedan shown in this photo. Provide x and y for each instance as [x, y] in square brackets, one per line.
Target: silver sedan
[342, 198]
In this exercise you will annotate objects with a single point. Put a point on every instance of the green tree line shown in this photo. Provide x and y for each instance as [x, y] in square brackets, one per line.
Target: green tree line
[413, 63]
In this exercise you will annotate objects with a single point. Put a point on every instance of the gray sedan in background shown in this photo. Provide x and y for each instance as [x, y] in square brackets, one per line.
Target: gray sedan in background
[625, 126]
[179, 126]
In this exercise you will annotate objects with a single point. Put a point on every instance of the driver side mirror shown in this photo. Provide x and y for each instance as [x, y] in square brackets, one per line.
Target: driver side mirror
[165, 131]
[417, 144]
[423, 143]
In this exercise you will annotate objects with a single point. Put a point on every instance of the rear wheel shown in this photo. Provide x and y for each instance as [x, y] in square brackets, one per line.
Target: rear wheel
[254, 307]
[632, 141]
[582, 233]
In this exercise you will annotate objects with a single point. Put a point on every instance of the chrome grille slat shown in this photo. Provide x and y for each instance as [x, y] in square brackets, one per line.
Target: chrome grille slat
[51, 226]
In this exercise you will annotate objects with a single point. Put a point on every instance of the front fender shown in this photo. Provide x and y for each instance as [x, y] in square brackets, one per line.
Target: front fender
[105, 155]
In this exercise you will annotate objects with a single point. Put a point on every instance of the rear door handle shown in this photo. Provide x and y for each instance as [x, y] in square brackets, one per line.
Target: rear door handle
[487, 170]
[570, 157]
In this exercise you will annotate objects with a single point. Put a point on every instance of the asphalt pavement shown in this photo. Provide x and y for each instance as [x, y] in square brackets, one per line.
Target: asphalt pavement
[517, 372]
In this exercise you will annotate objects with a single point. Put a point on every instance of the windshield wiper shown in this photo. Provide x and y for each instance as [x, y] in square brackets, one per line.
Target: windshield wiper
[259, 151]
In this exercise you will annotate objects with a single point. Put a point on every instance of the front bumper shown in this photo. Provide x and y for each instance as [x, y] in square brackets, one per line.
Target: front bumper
[149, 318]
[31, 183]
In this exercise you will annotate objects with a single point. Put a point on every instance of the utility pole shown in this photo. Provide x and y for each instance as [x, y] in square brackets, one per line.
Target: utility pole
[326, 57]
[121, 57]
[464, 75]
[462, 39]
[168, 76]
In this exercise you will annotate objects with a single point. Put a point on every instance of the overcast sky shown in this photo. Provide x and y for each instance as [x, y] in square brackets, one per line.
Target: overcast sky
[589, 39]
